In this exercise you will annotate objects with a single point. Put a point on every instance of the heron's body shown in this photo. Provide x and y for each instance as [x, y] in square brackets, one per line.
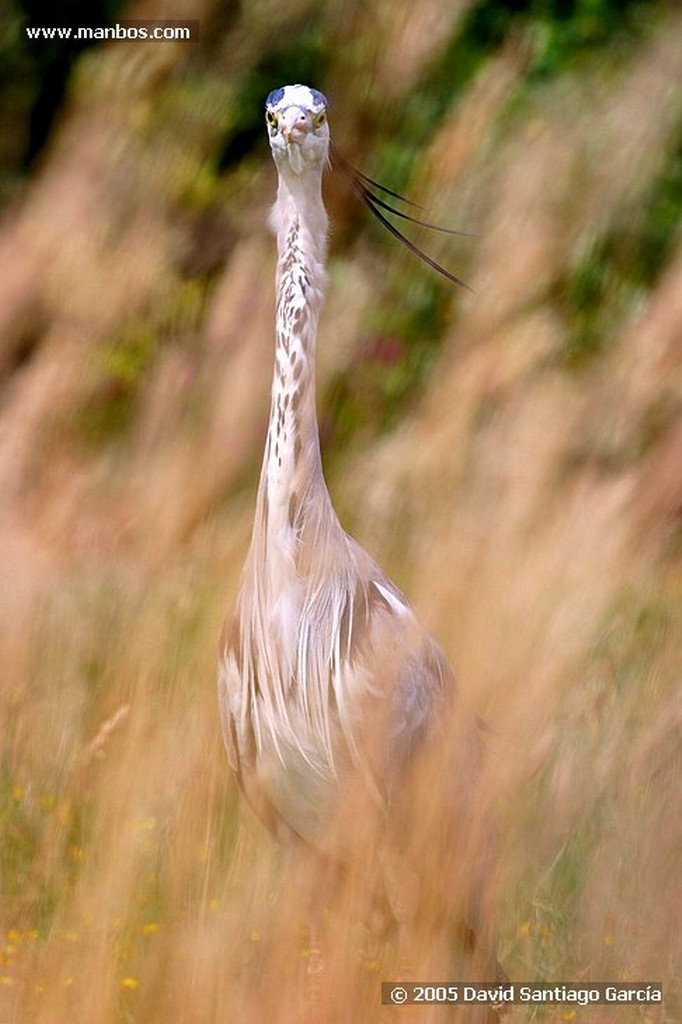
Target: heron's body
[332, 692]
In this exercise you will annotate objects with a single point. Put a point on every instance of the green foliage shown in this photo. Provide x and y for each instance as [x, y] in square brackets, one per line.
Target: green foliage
[589, 296]
[629, 672]
[391, 363]
[21, 837]
[607, 284]
[35, 819]
[124, 362]
[659, 225]
[553, 916]
[559, 30]
[564, 30]
[556, 33]
[634, 634]
[182, 133]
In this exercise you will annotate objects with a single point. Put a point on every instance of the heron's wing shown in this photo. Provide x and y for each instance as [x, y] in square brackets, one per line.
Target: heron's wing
[391, 680]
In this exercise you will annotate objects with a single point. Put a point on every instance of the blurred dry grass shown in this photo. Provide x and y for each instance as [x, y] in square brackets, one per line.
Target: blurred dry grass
[529, 506]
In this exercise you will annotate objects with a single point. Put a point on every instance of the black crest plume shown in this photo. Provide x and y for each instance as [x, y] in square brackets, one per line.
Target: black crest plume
[366, 189]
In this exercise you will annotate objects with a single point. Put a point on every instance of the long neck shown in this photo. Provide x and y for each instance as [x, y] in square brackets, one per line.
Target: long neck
[292, 465]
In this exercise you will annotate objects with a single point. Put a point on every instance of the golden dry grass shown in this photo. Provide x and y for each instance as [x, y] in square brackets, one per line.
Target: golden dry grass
[529, 509]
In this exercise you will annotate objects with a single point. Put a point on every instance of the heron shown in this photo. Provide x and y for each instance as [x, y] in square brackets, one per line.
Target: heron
[337, 705]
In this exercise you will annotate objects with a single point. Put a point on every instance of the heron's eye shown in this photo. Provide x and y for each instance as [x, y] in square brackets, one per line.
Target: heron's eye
[270, 118]
[320, 119]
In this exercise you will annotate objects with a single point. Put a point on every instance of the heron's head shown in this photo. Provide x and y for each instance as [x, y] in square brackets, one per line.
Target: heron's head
[296, 117]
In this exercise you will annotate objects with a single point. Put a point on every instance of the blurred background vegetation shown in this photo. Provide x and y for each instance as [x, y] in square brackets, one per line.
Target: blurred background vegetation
[511, 455]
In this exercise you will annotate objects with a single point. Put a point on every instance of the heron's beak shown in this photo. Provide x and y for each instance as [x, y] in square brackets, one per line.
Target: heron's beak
[297, 129]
